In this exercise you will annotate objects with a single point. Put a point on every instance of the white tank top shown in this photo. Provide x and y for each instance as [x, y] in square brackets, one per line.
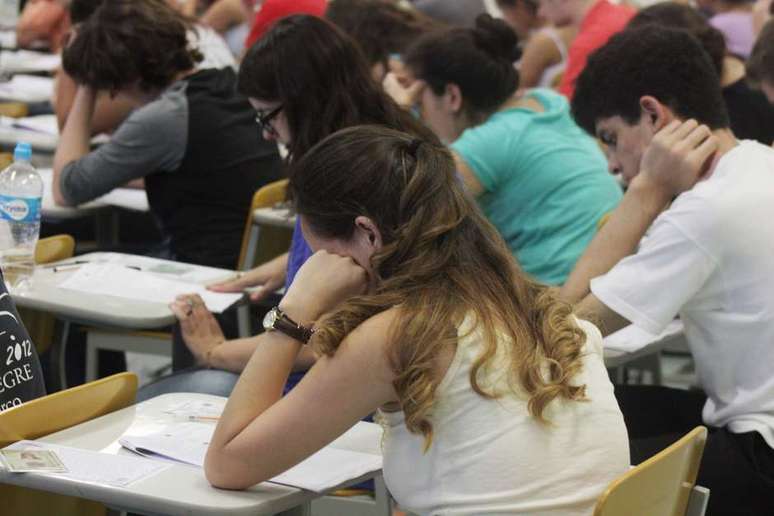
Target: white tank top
[491, 457]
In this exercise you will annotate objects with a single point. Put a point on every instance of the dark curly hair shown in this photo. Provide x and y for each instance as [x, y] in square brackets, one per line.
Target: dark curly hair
[478, 60]
[680, 16]
[125, 42]
[665, 63]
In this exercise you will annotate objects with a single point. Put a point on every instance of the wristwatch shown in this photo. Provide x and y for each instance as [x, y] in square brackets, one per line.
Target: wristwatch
[277, 320]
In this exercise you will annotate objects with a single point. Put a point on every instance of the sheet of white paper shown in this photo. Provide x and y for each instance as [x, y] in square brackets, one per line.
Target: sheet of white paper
[7, 38]
[197, 409]
[121, 281]
[28, 88]
[99, 468]
[632, 338]
[20, 61]
[187, 442]
[182, 442]
[129, 198]
[167, 269]
[329, 468]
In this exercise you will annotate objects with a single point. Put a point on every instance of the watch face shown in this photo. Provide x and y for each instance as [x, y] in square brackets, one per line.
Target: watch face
[270, 319]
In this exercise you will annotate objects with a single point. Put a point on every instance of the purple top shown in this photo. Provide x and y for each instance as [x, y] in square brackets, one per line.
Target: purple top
[737, 28]
[299, 253]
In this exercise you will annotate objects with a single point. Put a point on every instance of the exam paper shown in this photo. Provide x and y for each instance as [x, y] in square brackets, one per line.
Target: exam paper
[130, 198]
[121, 281]
[95, 467]
[187, 442]
[28, 88]
[632, 338]
[20, 61]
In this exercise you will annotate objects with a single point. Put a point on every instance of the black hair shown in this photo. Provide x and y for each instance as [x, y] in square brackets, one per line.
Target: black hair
[680, 16]
[668, 64]
[322, 80]
[760, 65]
[478, 60]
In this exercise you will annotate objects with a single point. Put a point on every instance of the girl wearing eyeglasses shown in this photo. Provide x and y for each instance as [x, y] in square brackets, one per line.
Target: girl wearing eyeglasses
[306, 79]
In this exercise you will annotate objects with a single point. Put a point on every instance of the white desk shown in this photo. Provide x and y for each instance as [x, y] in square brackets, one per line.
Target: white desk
[43, 293]
[180, 489]
[642, 344]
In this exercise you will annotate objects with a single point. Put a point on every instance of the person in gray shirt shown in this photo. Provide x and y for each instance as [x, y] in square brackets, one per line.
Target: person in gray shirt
[191, 138]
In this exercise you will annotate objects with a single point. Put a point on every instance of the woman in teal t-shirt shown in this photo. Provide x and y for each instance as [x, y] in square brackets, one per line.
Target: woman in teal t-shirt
[537, 176]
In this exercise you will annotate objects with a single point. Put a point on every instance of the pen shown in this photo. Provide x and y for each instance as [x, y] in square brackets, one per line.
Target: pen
[58, 265]
[65, 267]
[203, 418]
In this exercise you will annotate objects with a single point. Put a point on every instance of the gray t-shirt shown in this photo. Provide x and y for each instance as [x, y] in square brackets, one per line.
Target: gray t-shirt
[152, 139]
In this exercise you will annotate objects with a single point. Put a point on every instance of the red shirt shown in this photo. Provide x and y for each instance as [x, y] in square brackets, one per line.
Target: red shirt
[274, 10]
[600, 23]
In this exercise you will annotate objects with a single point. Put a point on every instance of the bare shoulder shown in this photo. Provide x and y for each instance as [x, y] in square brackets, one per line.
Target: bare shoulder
[374, 331]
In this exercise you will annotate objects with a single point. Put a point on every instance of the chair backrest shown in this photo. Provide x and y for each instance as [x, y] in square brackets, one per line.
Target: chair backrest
[50, 414]
[40, 325]
[661, 485]
[273, 240]
[63, 409]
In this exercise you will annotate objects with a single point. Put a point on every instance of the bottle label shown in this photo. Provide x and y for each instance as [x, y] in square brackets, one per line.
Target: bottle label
[20, 209]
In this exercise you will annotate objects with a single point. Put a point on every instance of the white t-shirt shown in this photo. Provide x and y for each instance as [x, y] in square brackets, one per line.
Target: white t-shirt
[491, 457]
[213, 48]
[710, 259]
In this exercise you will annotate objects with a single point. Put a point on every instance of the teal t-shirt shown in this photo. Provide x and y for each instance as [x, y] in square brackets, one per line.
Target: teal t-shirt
[545, 181]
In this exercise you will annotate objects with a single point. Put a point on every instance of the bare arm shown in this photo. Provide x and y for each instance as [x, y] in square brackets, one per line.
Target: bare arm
[224, 14]
[672, 163]
[617, 239]
[539, 54]
[109, 111]
[469, 179]
[261, 434]
[74, 142]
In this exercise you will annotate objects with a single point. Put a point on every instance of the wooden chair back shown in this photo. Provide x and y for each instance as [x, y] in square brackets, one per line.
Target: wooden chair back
[40, 325]
[49, 414]
[273, 241]
[660, 486]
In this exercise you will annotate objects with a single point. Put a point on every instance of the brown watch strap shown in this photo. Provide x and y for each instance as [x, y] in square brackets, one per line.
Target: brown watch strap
[292, 329]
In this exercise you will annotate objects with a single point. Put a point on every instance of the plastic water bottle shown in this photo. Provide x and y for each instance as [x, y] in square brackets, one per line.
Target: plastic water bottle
[21, 190]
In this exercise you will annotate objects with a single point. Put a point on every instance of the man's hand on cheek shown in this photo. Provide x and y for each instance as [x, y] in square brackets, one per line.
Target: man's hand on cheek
[677, 158]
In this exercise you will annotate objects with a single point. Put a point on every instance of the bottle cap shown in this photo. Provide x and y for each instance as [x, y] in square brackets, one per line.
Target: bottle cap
[22, 152]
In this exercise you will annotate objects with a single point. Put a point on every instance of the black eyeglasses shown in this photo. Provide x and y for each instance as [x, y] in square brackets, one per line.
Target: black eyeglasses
[264, 120]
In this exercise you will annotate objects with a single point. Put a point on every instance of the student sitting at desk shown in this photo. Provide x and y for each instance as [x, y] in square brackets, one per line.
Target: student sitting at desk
[652, 96]
[495, 397]
[112, 108]
[21, 378]
[194, 140]
[301, 60]
[538, 178]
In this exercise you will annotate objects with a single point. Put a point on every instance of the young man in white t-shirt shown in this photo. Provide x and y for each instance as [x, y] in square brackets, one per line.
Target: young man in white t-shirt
[652, 97]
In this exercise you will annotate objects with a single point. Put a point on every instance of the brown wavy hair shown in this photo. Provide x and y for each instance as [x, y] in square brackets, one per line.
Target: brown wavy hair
[129, 41]
[441, 261]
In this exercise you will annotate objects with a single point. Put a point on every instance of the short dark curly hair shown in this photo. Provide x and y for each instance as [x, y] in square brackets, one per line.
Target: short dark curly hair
[665, 63]
[129, 41]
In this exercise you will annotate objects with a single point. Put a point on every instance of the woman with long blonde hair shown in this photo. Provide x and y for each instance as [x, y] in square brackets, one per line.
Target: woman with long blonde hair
[494, 396]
